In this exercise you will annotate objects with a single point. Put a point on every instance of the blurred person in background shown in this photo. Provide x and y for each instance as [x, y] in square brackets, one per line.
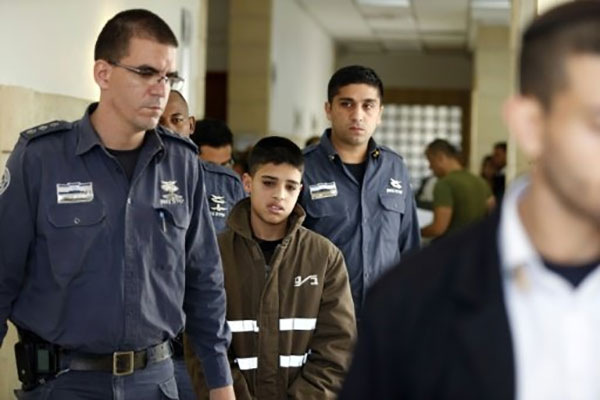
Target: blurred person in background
[508, 308]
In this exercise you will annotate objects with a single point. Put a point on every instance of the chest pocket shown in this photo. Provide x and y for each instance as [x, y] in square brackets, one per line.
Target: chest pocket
[169, 236]
[323, 208]
[392, 202]
[76, 238]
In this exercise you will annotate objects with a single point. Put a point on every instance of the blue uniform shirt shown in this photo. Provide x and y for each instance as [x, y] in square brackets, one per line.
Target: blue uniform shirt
[223, 190]
[94, 263]
[372, 222]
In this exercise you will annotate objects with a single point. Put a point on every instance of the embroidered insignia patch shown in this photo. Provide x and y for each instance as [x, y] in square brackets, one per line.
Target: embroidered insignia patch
[74, 192]
[170, 195]
[323, 190]
[217, 203]
[395, 186]
[4, 181]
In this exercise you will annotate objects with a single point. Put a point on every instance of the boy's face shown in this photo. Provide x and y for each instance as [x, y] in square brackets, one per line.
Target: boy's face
[273, 190]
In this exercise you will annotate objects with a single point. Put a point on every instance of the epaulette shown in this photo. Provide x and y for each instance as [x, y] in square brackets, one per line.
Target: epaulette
[170, 134]
[389, 150]
[219, 169]
[44, 129]
[310, 149]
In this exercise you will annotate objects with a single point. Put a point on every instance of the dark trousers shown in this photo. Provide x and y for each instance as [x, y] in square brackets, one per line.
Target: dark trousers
[155, 382]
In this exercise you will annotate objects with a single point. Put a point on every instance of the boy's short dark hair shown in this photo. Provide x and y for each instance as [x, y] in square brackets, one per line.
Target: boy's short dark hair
[275, 150]
[444, 147]
[353, 74]
[569, 29]
[213, 133]
[113, 41]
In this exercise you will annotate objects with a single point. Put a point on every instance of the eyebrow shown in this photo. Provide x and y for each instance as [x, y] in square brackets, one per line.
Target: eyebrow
[171, 74]
[357, 101]
[276, 179]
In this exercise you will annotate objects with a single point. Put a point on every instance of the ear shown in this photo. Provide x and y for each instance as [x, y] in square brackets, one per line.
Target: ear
[328, 110]
[524, 117]
[247, 181]
[102, 71]
[192, 122]
[380, 114]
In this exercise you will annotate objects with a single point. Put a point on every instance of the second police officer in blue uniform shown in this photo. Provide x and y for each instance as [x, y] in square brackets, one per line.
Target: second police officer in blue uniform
[357, 193]
[106, 243]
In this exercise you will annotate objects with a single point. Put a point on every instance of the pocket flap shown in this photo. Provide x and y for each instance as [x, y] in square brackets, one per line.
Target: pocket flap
[392, 202]
[70, 215]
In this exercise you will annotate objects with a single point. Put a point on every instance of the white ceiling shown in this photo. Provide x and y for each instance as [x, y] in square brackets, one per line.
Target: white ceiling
[398, 25]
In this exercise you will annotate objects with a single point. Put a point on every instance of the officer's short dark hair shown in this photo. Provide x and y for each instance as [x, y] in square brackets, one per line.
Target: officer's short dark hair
[113, 42]
[275, 150]
[500, 145]
[569, 29]
[213, 133]
[353, 74]
[444, 147]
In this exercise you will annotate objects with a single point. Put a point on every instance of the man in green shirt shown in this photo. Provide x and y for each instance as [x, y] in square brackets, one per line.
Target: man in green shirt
[459, 197]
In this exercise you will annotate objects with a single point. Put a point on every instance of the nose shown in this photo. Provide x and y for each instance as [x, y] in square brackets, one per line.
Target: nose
[279, 193]
[357, 114]
[161, 87]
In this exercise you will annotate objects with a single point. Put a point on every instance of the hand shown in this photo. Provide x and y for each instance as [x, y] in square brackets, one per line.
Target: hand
[222, 393]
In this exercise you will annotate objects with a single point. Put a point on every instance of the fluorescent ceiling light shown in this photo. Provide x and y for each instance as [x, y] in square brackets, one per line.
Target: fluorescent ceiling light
[384, 3]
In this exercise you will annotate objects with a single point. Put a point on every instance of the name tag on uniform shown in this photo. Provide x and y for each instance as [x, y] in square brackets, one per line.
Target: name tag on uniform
[74, 192]
[323, 190]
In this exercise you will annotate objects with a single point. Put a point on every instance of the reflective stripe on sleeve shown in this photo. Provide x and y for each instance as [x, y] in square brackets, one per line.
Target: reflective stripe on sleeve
[245, 325]
[247, 363]
[297, 324]
[292, 361]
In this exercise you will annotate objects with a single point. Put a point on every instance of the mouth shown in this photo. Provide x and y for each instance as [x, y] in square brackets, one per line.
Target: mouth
[356, 129]
[274, 208]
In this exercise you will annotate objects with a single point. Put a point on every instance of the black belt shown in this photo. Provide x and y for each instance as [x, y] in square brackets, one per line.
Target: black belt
[120, 362]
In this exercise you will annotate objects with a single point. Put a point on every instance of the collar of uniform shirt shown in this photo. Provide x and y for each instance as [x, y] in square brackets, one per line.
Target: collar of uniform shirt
[372, 149]
[516, 250]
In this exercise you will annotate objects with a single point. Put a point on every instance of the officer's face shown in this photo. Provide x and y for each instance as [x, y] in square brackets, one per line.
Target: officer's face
[137, 103]
[274, 190]
[217, 155]
[564, 141]
[354, 113]
[176, 116]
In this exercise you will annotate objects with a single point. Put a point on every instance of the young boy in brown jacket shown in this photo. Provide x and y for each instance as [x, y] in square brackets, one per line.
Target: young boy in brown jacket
[289, 305]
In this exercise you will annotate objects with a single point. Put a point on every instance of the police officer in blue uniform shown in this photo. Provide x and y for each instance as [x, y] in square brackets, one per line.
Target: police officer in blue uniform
[106, 244]
[357, 193]
[223, 189]
[223, 186]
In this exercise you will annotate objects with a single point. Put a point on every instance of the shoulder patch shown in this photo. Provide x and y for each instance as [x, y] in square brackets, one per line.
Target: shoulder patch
[164, 132]
[44, 129]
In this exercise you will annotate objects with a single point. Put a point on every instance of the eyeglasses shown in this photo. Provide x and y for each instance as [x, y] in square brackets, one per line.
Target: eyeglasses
[151, 76]
[229, 163]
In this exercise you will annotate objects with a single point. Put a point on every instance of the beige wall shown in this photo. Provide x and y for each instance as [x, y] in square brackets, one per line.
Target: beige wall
[412, 69]
[249, 66]
[20, 109]
[491, 86]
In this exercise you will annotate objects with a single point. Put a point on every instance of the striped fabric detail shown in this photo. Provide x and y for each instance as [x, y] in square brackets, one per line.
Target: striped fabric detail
[247, 363]
[292, 361]
[297, 324]
[244, 325]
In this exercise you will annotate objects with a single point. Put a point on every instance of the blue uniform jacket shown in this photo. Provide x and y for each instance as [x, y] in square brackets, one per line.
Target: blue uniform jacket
[373, 223]
[223, 190]
[93, 263]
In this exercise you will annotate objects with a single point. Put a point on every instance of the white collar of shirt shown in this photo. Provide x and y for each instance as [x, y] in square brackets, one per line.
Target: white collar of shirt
[554, 326]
